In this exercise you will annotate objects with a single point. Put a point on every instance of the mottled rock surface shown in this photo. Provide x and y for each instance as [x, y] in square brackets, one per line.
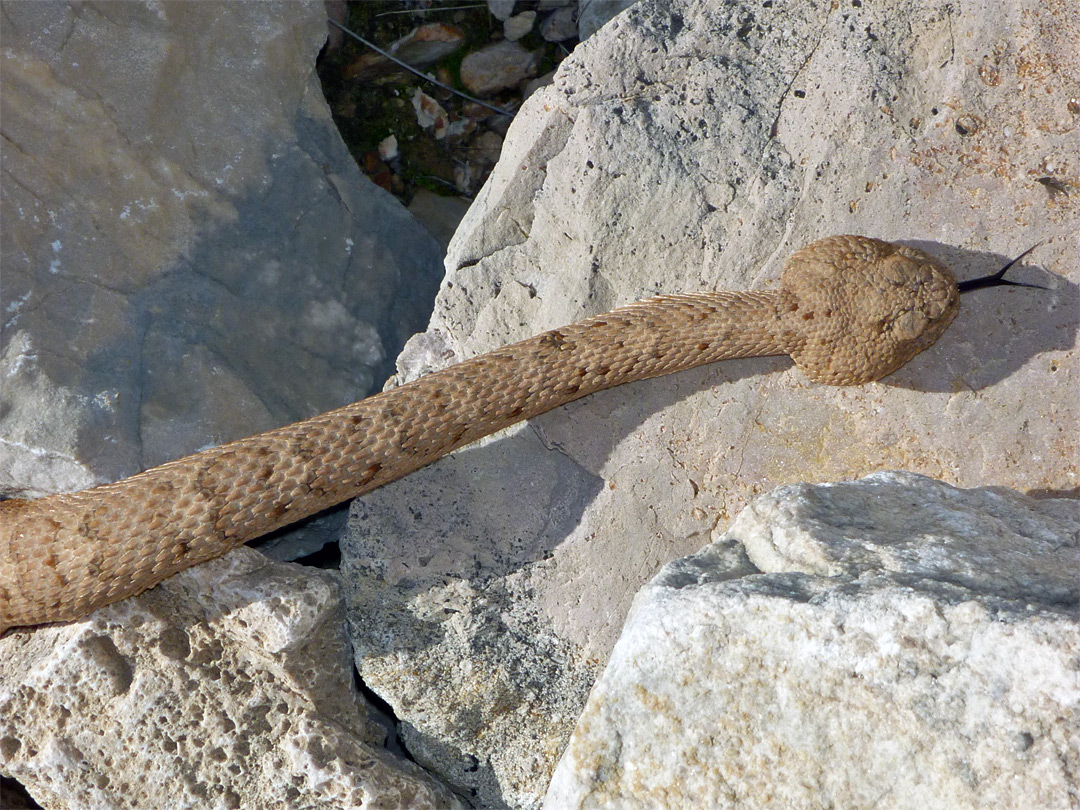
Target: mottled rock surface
[229, 685]
[912, 646]
[487, 693]
[189, 253]
[594, 14]
[693, 145]
[497, 67]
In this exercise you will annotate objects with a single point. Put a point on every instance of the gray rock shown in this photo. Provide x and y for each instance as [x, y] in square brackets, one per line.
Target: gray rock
[497, 67]
[229, 685]
[614, 185]
[595, 14]
[501, 9]
[486, 148]
[427, 44]
[560, 25]
[439, 214]
[533, 85]
[439, 628]
[886, 682]
[190, 254]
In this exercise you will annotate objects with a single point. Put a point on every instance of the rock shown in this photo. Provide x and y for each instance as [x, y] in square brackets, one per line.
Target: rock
[459, 663]
[439, 214]
[533, 85]
[614, 186]
[993, 541]
[497, 67]
[388, 148]
[228, 685]
[593, 15]
[423, 46]
[501, 9]
[190, 254]
[487, 147]
[337, 11]
[519, 25]
[427, 44]
[429, 113]
[923, 670]
[560, 25]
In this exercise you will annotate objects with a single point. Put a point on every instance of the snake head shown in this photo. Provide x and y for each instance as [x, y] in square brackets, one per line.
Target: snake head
[855, 309]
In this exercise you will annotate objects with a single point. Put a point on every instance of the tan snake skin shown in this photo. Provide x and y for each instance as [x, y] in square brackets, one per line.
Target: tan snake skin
[850, 310]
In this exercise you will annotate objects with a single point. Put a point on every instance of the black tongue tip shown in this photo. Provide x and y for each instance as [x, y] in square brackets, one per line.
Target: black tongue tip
[998, 279]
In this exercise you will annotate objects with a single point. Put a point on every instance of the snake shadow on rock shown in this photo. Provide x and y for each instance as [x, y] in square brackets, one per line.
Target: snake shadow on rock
[465, 515]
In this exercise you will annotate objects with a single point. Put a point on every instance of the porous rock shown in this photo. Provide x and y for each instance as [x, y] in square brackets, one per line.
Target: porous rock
[912, 645]
[441, 634]
[739, 134]
[189, 253]
[595, 14]
[227, 686]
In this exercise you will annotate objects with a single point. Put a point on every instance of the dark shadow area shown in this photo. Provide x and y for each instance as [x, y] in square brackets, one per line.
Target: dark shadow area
[1073, 493]
[13, 796]
[382, 714]
[312, 541]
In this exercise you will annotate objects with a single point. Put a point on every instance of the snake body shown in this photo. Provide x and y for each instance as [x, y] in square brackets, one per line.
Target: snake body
[850, 310]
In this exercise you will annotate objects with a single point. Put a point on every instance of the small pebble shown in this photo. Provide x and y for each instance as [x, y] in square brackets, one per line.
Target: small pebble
[519, 25]
[388, 148]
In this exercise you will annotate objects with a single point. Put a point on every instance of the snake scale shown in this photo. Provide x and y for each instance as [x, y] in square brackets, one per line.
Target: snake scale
[849, 310]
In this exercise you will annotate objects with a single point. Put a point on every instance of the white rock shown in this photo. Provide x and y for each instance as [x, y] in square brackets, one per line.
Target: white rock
[388, 148]
[429, 113]
[992, 541]
[229, 685]
[895, 686]
[519, 25]
[614, 185]
[497, 67]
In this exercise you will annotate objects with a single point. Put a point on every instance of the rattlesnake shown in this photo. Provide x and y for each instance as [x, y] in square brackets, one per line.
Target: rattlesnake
[850, 310]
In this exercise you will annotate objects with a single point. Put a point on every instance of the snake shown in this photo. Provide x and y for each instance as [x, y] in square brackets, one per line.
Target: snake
[849, 310]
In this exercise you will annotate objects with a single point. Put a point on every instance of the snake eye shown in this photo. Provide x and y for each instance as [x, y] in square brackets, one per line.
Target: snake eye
[910, 325]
